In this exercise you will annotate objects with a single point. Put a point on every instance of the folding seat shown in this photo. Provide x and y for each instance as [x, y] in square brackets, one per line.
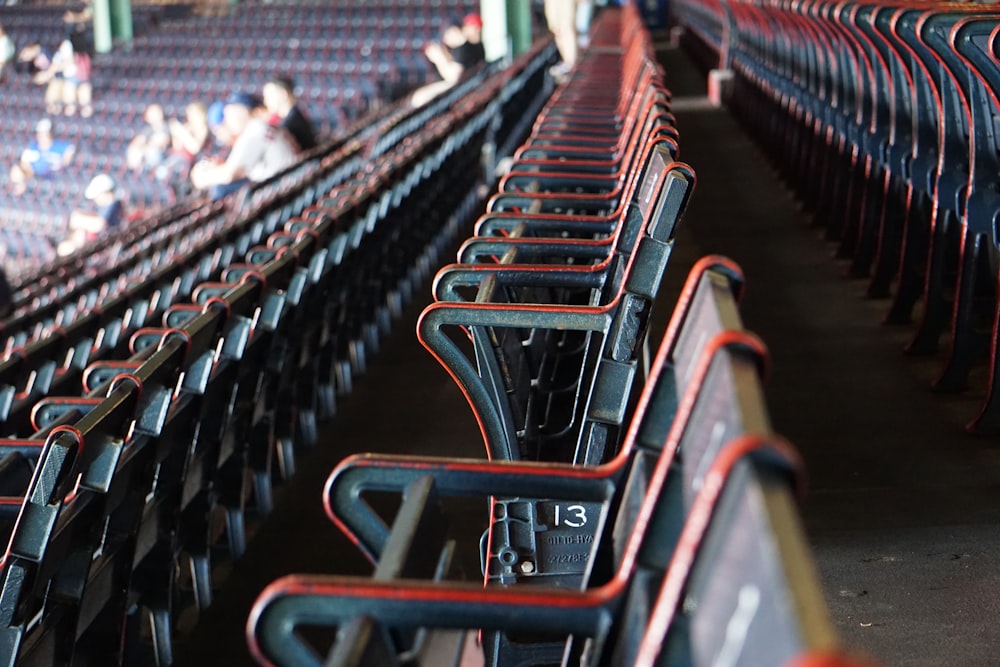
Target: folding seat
[580, 162]
[838, 165]
[54, 550]
[925, 172]
[598, 220]
[176, 524]
[922, 168]
[817, 117]
[964, 45]
[899, 153]
[762, 52]
[885, 176]
[858, 238]
[595, 619]
[147, 423]
[960, 288]
[512, 319]
[155, 371]
[706, 307]
[581, 114]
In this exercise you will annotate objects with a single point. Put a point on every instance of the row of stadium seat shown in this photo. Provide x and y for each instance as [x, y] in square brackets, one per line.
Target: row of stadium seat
[305, 27]
[303, 62]
[882, 116]
[165, 42]
[657, 529]
[319, 11]
[206, 357]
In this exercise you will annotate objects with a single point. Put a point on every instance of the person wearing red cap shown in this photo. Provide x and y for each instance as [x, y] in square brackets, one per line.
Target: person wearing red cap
[460, 49]
[473, 21]
[470, 52]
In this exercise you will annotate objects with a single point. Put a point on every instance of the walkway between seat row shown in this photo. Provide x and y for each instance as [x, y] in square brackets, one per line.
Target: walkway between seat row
[903, 508]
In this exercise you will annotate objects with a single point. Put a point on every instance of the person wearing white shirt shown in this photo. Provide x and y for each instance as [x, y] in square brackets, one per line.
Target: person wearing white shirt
[259, 150]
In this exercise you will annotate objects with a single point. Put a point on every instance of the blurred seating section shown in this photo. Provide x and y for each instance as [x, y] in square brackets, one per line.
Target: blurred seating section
[347, 58]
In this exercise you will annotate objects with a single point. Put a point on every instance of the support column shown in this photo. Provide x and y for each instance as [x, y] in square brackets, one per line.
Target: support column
[103, 38]
[112, 22]
[495, 41]
[121, 20]
[519, 25]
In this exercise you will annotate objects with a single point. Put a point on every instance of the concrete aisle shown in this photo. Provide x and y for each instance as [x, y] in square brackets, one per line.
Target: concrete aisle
[904, 508]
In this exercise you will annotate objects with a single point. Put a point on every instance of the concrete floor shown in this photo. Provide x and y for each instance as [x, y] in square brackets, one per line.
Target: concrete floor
[903, 510]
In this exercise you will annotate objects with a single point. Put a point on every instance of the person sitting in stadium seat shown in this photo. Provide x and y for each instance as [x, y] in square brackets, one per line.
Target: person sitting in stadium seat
[32, 59]
[38, 62]
[189, 138]
[44, 156]
[107, 214]
[280, 102]
[76, 64]
[259, 150]
[460, 49]
[82, 15]
[7, 53]
[148, 149]
[217, 133]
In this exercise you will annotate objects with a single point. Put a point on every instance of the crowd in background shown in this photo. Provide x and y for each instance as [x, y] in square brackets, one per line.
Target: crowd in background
[459, 50]
[216, 148]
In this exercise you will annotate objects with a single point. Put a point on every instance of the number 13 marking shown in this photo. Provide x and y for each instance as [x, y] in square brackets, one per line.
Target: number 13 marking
[577, 518]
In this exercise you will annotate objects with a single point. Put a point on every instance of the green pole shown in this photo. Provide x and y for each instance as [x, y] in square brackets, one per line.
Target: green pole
[103, 37]
[121, 20]
[519, 25]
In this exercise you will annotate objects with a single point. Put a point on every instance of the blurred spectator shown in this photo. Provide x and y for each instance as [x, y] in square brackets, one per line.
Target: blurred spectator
[188, 137]
[32, 59]
[259, 150]
[85, 225]
[460, 49]
[7, 52]
[280, 102]
[73, 59]
[561, 18]
[473, 51]
[81, 16]
[66, 74]
[39, 62]
[188, 141]
[216, 127]
[44, 156]
[148, 149]
[6, 294]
